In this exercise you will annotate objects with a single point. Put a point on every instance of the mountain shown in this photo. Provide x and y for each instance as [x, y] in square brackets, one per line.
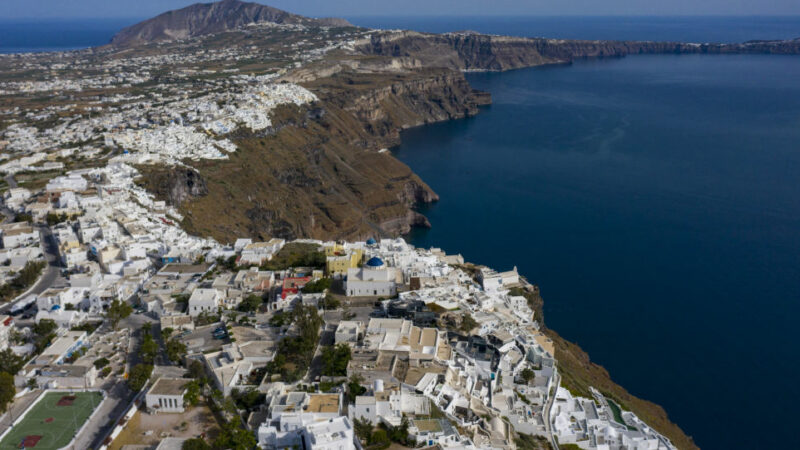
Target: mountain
[209, 18]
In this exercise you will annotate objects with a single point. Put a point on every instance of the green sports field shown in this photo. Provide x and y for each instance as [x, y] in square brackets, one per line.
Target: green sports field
[53, 421]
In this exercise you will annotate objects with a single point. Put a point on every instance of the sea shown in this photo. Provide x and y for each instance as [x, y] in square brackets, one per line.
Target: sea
[51, 35]
[656, 202]
[654, 199]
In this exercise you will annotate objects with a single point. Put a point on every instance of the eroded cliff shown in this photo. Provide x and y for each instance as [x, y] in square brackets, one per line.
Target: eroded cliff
[320, 170]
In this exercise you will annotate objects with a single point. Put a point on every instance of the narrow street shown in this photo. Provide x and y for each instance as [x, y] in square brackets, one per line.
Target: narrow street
[547, 407]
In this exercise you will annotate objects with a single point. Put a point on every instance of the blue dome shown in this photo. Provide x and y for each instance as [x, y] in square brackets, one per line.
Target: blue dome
[375, 262]
[371, 241]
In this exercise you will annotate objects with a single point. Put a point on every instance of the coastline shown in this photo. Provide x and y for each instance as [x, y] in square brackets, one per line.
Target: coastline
[364, 107]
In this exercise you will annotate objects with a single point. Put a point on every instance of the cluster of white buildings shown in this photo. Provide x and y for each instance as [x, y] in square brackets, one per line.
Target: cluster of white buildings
[21, 245]
[73, 84]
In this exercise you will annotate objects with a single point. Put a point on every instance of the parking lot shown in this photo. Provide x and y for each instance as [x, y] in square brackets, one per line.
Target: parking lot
[202, 339]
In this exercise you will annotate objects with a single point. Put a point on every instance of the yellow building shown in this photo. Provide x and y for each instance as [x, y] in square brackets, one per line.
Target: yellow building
[339, 258]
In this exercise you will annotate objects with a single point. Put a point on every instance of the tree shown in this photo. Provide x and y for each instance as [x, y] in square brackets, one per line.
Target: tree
[101, 362]
[278, 319]
[354, 387]
[527, 374]
[379, 437]
[45, 327]
[197, 371]
[195, 444]
[247, 399]
[399, 434]
[363, 429]
[7, 390]
[234, 437]
[139, 376]
[467, 323]
[166, 333]
[175, 350]
[193, 391]
[149, 348]
[251, 303]
[55, 219]
[117, 311]
[23, 217]
[330, 302]
[10, 362]
[44, 333]
[317, 286]
[335, 359]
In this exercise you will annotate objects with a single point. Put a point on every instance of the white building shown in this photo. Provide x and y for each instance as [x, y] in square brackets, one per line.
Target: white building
[259, 252]
[71, 182]
[166, 395]
[494, 281]
[388, 406]
[62, 317]
[347, 331]
[18, 234]
[204, 301]
[16, 197]
[334, 434]
[373, 279]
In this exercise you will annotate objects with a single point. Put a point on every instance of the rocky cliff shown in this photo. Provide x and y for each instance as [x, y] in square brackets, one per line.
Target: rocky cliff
[472, 51]
[320, 172]
[208, 18]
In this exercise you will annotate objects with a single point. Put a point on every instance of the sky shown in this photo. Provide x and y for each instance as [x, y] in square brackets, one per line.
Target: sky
[53, 9]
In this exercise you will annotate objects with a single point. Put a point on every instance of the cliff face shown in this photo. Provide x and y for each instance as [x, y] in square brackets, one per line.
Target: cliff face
[173, 184]
[208, 18]
[319, 172]
[470, 51]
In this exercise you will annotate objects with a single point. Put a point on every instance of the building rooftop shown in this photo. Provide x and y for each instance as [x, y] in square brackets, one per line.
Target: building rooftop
[169, 386]
[186, 269]
[323, 403]
[374, 262]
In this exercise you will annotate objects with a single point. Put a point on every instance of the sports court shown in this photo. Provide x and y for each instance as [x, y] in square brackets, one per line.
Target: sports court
[53, 421]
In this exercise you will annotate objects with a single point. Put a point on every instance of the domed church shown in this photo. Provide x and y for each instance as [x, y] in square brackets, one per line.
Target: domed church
[373, 278]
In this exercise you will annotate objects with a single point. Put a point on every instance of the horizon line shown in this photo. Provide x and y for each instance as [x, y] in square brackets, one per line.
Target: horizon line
[475, 15]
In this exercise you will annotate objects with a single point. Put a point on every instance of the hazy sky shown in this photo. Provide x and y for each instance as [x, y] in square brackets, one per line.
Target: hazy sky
[11, 9]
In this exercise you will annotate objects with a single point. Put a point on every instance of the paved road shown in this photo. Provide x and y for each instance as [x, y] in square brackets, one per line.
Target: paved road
[52, 272]
[53, 269]
[118, 397]
[326, 338]
[547, 407]
[12, 183]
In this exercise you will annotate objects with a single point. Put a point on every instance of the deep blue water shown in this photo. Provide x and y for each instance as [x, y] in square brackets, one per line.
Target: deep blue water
[20, 36]
[655, 200]
[683, 29]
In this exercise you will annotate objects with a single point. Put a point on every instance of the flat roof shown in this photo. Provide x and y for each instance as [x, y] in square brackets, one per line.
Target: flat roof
[185, 268]
[63, 343]
[323, 403]
[169, 386]
[432, 425]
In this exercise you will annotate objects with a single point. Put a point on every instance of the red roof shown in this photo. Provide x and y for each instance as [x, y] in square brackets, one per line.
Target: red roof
[291, 285]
